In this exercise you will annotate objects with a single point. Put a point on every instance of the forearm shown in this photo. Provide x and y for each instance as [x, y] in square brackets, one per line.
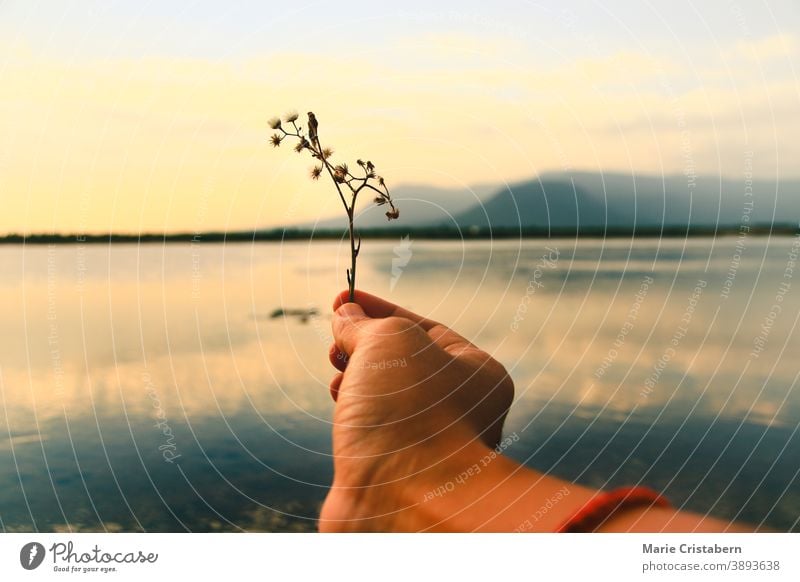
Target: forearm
[478, 489]
[407, 456]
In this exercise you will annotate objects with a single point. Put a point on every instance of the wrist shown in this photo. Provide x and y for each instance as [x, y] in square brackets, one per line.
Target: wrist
[436, 497]
[455, 484]
[383, 491]
[477, 488]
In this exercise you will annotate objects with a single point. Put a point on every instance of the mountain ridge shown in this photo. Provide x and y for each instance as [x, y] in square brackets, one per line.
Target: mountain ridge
[593, 200]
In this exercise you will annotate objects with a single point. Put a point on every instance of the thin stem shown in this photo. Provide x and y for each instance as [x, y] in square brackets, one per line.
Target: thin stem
[353, 254]
[351, 275]
[371, 187]
[355, 185]
[385, 195]
[330, 173]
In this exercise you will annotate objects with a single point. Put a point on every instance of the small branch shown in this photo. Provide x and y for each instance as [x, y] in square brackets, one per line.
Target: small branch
[339, 175]
[330, 173]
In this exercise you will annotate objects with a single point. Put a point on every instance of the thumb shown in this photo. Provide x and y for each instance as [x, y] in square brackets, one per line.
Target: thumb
[348, 326]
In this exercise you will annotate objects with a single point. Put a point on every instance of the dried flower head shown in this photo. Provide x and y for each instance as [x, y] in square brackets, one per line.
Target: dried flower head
[301, 145]
[313, 125]
[347, 185]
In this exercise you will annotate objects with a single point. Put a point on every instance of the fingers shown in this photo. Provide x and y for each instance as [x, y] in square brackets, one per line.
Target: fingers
[377, 308]
[334, 386]
[337, 357]
[449, 341]
[348, 326]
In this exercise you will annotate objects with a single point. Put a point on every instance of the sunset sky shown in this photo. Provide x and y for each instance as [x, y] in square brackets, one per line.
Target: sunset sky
[152, 116]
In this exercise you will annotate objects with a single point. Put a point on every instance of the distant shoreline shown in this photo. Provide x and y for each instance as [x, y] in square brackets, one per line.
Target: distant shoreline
[289, 234]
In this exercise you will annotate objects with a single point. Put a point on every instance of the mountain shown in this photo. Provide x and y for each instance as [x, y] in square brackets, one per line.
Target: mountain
[594, 200]
[679, 200]
[577, 200]
[419, 205]
[547, 202]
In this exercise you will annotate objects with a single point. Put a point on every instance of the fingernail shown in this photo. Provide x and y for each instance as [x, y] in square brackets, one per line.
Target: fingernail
[350, 311]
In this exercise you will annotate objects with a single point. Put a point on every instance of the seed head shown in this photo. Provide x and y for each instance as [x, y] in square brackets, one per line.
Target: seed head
[301, 145]
[313, 124]
[340, 173]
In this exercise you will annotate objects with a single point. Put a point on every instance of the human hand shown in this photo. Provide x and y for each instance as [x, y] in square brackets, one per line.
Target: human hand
[411, 396]
[417, 407]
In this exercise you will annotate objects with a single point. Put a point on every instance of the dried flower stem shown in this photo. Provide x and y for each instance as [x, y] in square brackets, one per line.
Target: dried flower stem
[341, 176]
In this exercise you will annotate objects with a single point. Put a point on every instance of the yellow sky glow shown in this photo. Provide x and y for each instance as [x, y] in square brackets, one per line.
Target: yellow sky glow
[164, 144]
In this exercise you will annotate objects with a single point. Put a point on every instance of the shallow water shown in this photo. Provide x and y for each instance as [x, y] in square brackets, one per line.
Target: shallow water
[146, 388]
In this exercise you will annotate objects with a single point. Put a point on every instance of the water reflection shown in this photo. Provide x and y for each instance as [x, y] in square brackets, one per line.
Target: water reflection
[148, 388]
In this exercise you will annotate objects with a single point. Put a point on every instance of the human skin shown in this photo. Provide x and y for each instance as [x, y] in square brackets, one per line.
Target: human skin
[433, 410]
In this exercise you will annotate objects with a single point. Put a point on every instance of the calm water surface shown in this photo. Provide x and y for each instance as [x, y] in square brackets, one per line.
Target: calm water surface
[147, 388]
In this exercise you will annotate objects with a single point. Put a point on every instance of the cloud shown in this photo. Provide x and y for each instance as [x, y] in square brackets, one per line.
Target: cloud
[137, 139]
[623, 66]
[779, 46]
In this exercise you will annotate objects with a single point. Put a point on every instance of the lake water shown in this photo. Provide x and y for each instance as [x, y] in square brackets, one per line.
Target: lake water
[147, 388]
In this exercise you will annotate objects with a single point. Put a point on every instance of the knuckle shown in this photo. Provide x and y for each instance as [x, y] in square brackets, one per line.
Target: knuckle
[393, 325]
[503, 383]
